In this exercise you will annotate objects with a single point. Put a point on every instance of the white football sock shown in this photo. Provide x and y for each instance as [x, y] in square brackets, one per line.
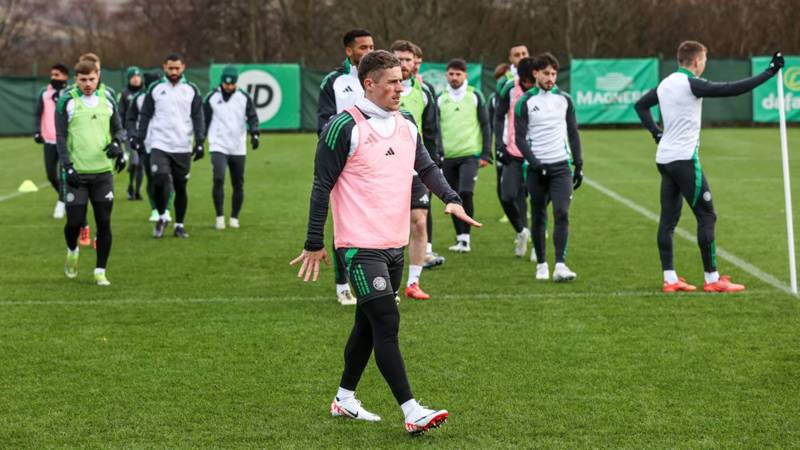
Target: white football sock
[99, 271]
[671, 276]
[560, 266]
[429, 248]
[711, 277]
[73, 252]
[344, 394]
[413, 274]
[409, 407]
[463, 237]
[163, 217]
[178, 225]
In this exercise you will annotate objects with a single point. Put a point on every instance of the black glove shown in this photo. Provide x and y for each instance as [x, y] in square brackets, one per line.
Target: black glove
[577, 175]
[657, 137]
[198, 152]
[135, 144]
[776, 64]
[38, 138]
[120, 162]
[114, 150]
[254, 139]
[537, 166]
[500, 155]
[73, 178]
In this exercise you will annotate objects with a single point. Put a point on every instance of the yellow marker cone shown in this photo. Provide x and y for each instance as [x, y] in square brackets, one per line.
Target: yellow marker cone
[27, 186]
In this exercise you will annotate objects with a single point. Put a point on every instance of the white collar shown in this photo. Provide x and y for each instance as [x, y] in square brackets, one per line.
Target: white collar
[457, 93]
[371, 109]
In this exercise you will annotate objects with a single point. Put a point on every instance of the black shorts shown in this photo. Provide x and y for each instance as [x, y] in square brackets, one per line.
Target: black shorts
[420, 195]
[97, 187]
[373, 273]
[176, 164]
[461, 173]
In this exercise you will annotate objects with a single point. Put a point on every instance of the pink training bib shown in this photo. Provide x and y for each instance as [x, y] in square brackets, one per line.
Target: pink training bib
[511, 145]
[48, 119]
[371, 201]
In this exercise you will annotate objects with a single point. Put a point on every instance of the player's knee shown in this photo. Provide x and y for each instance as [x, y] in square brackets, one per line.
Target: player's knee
[561, 214]
[161, 179]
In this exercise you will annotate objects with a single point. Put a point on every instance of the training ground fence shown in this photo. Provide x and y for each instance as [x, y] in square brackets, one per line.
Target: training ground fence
[603, 91]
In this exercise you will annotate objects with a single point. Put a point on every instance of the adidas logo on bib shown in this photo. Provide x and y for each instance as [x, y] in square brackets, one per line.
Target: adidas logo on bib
[390, 152]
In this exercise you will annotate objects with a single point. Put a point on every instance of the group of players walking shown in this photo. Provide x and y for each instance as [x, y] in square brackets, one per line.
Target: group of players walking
[380, 151]
[456, 127]
[163, 121]
[387, 141]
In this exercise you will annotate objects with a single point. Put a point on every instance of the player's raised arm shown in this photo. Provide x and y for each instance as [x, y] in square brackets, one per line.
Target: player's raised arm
[704, 88]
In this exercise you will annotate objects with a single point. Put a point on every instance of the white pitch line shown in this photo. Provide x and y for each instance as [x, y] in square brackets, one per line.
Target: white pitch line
[730, 257]
[480, 297]
[17, 194]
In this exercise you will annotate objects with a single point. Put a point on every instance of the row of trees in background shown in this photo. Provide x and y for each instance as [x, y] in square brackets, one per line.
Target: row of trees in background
[142, 32]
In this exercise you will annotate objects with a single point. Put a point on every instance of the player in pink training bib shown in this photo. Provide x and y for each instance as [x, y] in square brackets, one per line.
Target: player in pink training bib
[365, 159]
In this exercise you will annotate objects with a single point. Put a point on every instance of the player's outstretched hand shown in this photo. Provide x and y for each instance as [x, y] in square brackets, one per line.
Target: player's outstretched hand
[483, 163]
[457, 210]
[254, 136]
[777, 62]
[310, 267]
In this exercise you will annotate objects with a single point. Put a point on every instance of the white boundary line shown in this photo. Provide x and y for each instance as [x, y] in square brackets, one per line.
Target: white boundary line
[478, 297]
[17, 194]
[730, 257]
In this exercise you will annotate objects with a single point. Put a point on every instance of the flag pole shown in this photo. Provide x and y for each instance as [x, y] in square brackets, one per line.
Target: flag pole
[787, 190]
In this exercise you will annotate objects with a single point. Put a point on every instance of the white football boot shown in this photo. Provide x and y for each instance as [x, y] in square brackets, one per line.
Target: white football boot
[60, 209]
[423, 419]
[346, 298]
[460, 247]
[351, 408]
[562, 273]
[220, 223]
[234, 222]
[542, 271]
[521, 242]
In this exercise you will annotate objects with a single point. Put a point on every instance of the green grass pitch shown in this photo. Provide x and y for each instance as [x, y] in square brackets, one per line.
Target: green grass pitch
[213, 341]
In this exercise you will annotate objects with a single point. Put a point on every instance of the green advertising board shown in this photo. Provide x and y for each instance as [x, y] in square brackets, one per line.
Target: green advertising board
[765, 97]
[274, 88]
[434, 73]
[604, 90]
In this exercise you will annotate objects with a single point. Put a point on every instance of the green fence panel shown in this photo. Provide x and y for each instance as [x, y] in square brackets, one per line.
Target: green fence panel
[720, 110]
[17, 95]
[765, 97]
[309, 97]
[604, 90]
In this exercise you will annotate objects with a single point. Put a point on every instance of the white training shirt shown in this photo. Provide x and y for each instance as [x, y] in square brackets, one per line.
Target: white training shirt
[547, 124]
[682, 113]
[227, 132]
[171, 128]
